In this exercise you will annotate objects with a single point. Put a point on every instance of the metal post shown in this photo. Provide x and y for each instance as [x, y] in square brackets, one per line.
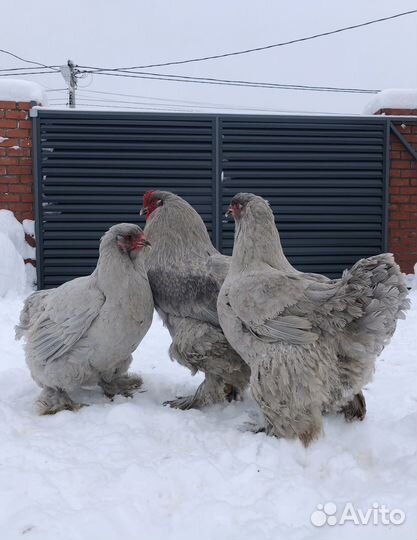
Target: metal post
[386, 185]
[217, 192]
[36, 153]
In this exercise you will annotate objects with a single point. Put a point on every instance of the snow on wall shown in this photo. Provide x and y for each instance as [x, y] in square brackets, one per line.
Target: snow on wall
[392, 98]
[15, 276]
[18, 90]
[412, 279]
[12, 228]
[29, 227]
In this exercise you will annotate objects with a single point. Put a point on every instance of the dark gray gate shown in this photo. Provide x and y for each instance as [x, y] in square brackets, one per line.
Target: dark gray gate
[325, 178]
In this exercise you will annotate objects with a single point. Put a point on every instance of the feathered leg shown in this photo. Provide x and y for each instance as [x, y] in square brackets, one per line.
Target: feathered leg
[118, 381]
[313, 430]
[125, 385]
[53, 400]
[201, 346]
[355, 409]
[212, 390]
[285, 415]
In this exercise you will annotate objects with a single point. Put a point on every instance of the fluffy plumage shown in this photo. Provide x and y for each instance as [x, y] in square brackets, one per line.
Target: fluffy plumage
[84, 332]
[186, 272]
[311, 342]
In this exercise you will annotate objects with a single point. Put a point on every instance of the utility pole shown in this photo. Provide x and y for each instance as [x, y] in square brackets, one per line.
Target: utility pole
[70, 76]
[72, 85]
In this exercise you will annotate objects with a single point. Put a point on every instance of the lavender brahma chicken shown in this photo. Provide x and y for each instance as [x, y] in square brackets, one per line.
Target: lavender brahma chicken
[84, 332]
[186, 272]
[311, 342]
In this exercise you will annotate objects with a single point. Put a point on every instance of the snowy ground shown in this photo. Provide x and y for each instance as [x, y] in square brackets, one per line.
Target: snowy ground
[132, 469]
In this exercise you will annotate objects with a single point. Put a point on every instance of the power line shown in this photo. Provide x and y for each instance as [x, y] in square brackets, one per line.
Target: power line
[257, 49]
[216, 81]
[26, 73]
[163, 103]
[230, 82]
[90, 104]
[165, 100]
[191, 104]
[280, 85]
[173, 108]
[111, 103]
[25, 68]
[28, 61]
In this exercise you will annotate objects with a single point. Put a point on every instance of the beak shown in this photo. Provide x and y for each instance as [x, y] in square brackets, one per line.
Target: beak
[229, 212]
[140, 242]
[142, 211]
[144, 242]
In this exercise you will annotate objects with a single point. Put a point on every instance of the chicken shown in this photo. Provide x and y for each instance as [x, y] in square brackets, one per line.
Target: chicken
[311, 342]
[186, 272]
[84, 332]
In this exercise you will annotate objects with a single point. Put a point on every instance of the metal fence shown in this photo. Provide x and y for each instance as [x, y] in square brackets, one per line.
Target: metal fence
[325, 177]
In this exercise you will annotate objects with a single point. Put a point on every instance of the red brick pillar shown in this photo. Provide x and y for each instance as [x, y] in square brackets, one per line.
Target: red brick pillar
[16, 178]
[402, 224]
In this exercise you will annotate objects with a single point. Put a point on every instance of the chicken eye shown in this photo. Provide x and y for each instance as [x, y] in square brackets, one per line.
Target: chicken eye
[159, 202]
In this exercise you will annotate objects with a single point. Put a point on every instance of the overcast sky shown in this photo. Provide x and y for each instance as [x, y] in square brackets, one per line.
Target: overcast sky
[133, 32]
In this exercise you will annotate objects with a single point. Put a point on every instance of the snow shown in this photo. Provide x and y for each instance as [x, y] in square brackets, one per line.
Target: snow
[15, 276]
[31, 276]
[10, 226]
[29, 227]
[20, 90]
[392, 98]
[411, 281]
[132, 468]
[12, 268]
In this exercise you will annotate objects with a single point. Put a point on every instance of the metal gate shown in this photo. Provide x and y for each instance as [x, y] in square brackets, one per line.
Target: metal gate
[325, 177]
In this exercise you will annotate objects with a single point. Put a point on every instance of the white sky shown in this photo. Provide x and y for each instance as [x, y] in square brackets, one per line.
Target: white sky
[129, 32]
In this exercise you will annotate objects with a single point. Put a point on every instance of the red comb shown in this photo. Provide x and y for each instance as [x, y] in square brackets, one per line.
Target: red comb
[147, 196]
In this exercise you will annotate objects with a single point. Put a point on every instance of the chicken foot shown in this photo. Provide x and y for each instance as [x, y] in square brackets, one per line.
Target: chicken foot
[212, 390]
[355, 409]
[54, 400]
[125, 385]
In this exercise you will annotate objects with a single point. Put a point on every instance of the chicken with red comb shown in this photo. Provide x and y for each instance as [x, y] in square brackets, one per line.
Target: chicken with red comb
[186, 272]
[85, 331]
[311, 342]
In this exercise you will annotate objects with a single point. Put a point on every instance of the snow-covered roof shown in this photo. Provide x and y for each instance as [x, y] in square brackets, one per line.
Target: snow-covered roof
[392, 98]
[18, 90]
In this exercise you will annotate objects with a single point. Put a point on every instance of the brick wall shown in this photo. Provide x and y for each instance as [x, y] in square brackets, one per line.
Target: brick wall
[403, 194]
[16, 179]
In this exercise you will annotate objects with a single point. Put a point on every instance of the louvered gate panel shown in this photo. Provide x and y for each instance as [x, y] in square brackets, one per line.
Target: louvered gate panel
[93, 169]
[324, 178]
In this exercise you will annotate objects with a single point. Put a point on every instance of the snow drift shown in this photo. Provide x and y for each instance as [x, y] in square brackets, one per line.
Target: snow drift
[15, 276]
[392, 98]
[18, 90]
